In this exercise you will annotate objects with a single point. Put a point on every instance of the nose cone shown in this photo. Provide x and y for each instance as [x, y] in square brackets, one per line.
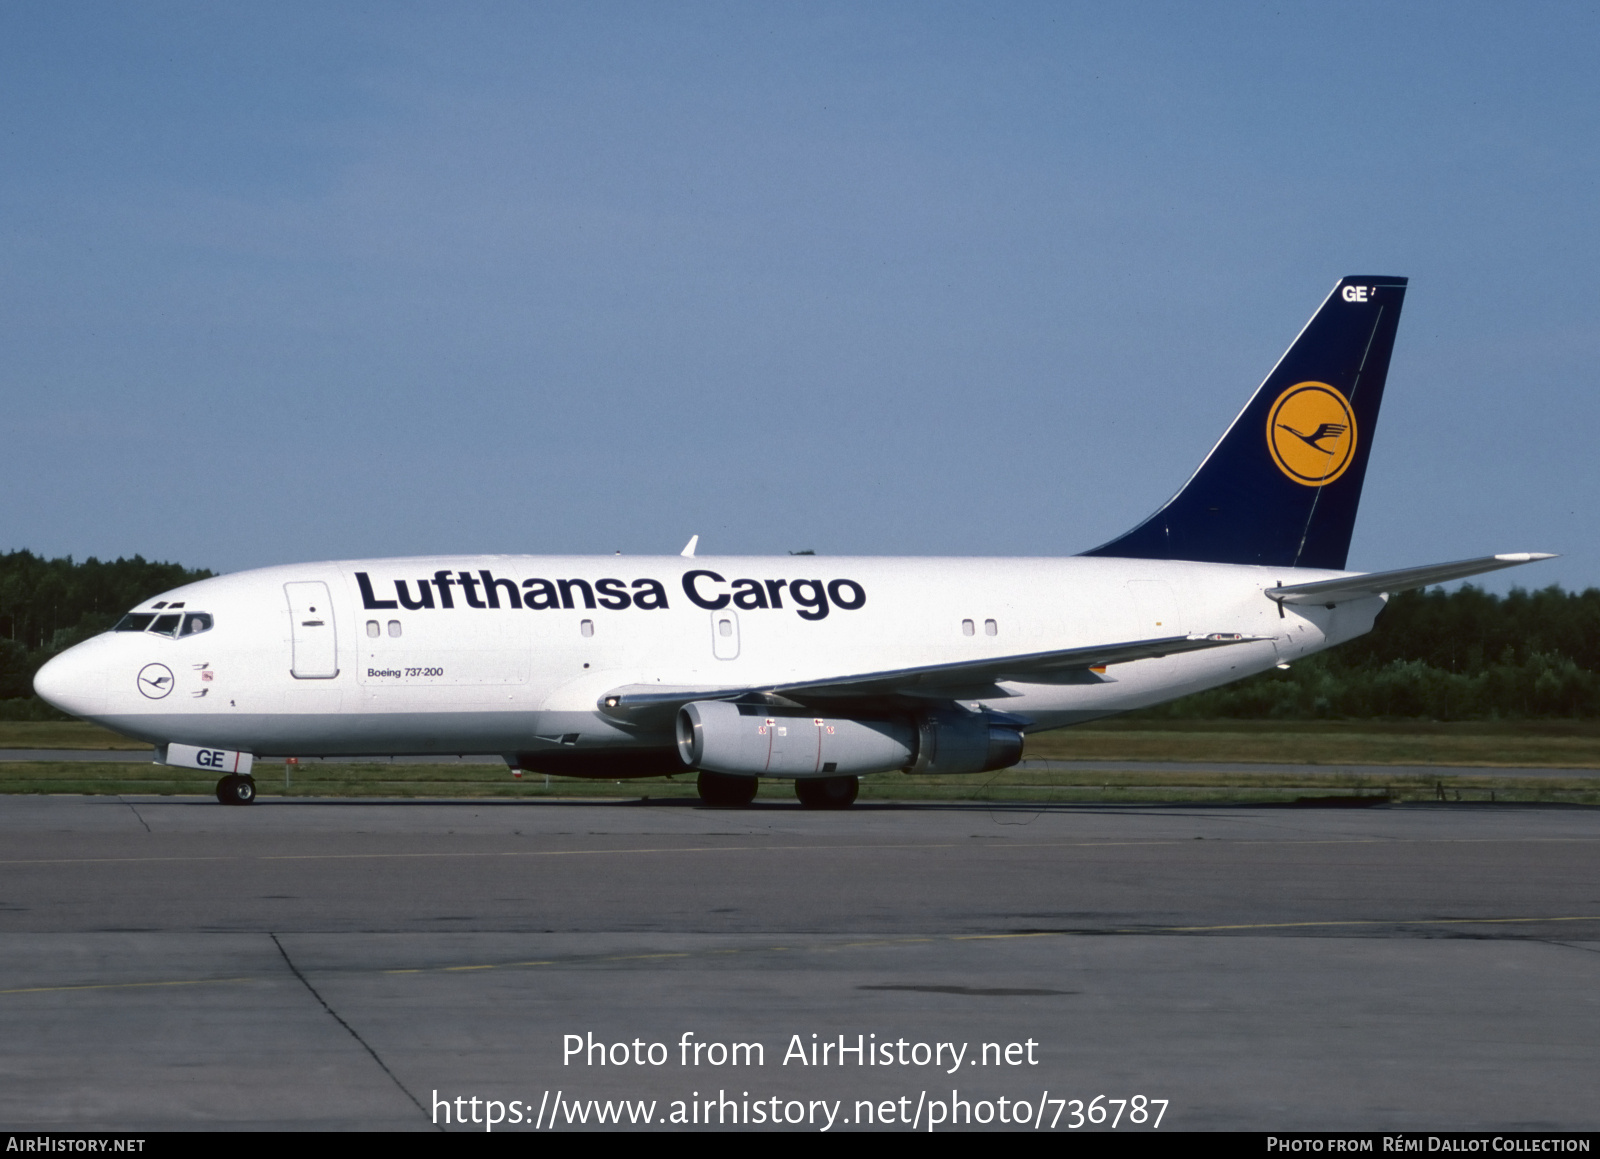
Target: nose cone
[75, 681]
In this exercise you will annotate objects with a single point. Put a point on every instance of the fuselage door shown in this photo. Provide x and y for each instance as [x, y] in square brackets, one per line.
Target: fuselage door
[725, 634]
[316, 655]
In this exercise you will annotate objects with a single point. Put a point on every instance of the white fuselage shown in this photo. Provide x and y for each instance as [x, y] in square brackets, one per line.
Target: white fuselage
[359, 676]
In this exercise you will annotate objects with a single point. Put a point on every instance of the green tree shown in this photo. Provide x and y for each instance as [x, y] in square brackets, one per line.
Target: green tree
[47, 605]
[1462, 655]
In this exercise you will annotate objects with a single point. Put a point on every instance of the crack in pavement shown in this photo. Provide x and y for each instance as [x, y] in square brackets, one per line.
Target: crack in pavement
[323, 1002]
[136, 813]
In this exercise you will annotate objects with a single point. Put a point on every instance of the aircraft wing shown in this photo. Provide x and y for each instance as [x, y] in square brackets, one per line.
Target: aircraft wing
[928, 680]
[1031, 666]
[1360, 587]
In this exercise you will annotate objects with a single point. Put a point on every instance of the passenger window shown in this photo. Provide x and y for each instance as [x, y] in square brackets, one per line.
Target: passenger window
[990, 628]
[966, 627]
[133, 622]
[725, 627]
[196, 622]
[394, 628]
[587, 627]
[166, 625]
[373, 629]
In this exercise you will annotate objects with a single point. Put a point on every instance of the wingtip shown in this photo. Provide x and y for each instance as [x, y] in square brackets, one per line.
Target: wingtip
[688, 548]
[1526, 556]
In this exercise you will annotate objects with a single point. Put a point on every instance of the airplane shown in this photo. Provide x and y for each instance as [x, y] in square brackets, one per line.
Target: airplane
[813, 669]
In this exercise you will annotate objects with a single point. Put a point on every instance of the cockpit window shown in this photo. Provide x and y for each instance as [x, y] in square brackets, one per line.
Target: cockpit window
[171, 624]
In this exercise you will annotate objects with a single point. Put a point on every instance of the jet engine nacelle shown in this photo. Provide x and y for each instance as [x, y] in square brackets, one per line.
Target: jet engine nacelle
[965, 742]
[754, 740]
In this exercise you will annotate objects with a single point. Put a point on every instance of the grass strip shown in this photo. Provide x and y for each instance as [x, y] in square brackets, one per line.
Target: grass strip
[1416, 745]
[468, 781]
[62, 734]
[1525, 743]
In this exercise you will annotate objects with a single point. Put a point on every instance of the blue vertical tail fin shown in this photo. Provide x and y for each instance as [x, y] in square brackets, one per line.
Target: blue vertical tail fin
[1281, 487]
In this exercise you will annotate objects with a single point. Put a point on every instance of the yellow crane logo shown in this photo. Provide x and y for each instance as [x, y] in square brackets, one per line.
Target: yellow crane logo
[1311, 432]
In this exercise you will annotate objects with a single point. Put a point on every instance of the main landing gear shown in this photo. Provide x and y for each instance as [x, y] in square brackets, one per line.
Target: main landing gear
[236, 790]
[719, 789]
[729, 792]
[827, 792]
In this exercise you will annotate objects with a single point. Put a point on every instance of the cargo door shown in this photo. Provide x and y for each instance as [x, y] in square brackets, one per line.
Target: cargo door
[725, 634]
[316, 654]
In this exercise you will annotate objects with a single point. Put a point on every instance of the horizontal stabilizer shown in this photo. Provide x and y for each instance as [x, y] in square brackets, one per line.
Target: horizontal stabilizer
[926, 680]
[1377, 583]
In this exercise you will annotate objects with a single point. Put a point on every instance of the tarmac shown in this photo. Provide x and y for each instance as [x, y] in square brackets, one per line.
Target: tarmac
[170, 963]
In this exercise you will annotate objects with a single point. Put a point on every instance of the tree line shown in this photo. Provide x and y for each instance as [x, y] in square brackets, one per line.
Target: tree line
[48, 605]
[1461, 655]
[1437, 655]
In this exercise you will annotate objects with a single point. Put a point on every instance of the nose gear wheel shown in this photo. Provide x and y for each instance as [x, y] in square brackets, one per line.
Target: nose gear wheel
[236, 790]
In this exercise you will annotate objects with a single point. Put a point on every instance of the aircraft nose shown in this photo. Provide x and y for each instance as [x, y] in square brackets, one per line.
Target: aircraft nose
[74, 682]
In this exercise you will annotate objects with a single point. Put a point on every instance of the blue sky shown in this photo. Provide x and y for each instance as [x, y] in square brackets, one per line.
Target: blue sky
[286, 282]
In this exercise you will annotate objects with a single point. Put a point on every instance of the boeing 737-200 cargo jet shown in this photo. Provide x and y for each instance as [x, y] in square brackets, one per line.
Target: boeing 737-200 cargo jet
[814, 669]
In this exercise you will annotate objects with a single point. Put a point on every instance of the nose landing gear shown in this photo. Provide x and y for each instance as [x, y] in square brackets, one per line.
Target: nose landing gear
[236, 790]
